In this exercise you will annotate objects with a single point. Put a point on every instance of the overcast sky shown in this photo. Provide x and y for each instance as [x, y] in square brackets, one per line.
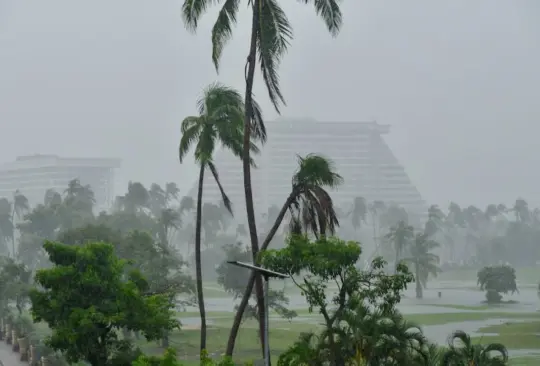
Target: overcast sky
[457, 81]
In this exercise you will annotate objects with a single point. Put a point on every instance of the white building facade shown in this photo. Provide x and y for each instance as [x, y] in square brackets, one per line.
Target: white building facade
[361, 156]
[33, 175]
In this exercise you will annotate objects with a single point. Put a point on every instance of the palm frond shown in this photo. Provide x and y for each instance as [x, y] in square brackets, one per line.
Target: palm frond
[316, 169]
[222, 30]
[498, 348]
[226, 201]
[206, 145]
[330, 13]
[258, 129]
[273, 38]
[192, 10]
[217, 95]
[190, 133]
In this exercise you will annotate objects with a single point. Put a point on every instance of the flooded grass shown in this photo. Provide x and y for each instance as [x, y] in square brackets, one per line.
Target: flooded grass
[524, 361]
[446, 318]
[524, 275]
[462, 307]
[514, 335]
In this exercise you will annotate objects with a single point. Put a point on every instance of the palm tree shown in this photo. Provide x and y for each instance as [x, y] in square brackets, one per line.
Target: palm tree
[157, 199]
[136, 198]
[6, 224]
[313, 175]
[168, 222]
[435, 220]
[376, 209]
[468, 354]
[521, 210]
[220, 121]
[171, 191]
[375, 337]
[425, 263]
[269, 41]
[400, 236]
[20, 207]
[52, 198]
[359, 212]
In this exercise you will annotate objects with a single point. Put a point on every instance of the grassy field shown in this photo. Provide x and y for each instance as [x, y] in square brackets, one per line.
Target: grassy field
[284, 333]
[524, 275]
[518, 335]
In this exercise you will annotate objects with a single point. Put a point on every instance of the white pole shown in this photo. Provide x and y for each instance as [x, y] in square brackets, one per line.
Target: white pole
[266, 321]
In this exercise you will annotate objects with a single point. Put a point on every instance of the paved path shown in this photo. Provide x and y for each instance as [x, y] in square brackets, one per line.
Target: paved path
[8, 357]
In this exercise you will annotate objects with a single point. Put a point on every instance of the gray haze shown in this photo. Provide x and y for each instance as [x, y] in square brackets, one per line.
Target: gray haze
[457, 80]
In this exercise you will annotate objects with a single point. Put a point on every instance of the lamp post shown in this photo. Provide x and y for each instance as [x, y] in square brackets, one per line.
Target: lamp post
[267, 274]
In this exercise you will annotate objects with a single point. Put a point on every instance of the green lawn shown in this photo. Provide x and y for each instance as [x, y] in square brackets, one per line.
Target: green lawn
[515, 335]
[462, 307]
[524, 275]
[284, 333]
[445, 318]
[532, 360]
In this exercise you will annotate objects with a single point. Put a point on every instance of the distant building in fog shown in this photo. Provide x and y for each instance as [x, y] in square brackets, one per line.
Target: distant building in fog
[33, 175]
[362, 157]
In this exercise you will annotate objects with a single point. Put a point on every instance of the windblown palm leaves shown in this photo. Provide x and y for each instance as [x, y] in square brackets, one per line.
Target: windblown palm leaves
[424, 261]
[400, 235]
[311, 206]
[380, 338]
[463, 353]
[272, 32]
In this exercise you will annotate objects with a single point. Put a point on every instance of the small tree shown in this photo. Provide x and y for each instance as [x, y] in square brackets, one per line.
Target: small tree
[15, 278]
[331, 260]
[86, 298]
[496, 280]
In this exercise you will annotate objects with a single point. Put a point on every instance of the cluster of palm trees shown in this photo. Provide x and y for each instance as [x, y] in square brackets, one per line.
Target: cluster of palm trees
[497, 234]
[369, 337]
[309, 205]
[156, 210]
[271, 33]
[468, 236]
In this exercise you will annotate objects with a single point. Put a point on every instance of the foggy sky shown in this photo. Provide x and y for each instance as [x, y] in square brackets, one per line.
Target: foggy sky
[457, 81]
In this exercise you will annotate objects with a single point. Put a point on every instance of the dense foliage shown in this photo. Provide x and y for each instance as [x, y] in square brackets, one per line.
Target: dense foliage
[496, 280]
[87, 296]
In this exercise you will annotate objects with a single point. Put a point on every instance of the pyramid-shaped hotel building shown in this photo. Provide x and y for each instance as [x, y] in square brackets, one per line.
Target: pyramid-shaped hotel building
[362, 157]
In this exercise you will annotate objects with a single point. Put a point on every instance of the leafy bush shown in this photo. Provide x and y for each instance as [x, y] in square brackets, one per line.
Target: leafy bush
[495, 280]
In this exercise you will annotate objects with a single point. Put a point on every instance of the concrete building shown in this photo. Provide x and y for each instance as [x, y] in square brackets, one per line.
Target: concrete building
[362, 157]
[33, 175]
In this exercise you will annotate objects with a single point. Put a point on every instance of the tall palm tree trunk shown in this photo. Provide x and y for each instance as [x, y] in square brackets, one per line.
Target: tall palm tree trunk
[252, 57]
[198, 264]
[398, 255]
[418, 282]
[249, 288]
[13, 231]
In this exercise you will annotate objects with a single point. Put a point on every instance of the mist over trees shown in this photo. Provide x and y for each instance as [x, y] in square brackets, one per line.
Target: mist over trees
[78, 285]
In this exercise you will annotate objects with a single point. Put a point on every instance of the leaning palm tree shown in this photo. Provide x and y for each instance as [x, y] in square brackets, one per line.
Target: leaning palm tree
[271, 33]
[425, 263]
[400, 235]
[313, 175]
[469, 354]
[220, 121]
